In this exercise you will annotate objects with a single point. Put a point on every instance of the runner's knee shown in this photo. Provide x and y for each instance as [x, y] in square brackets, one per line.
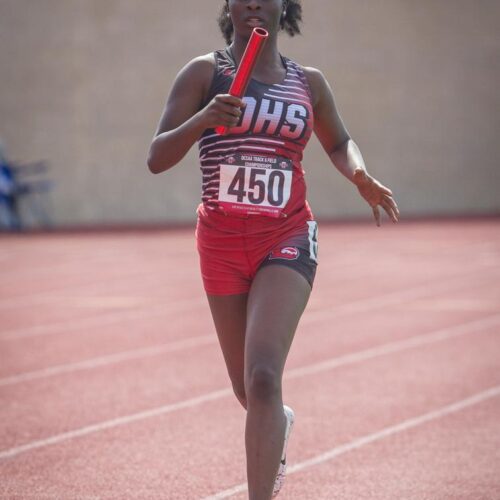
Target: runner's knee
[262, 383]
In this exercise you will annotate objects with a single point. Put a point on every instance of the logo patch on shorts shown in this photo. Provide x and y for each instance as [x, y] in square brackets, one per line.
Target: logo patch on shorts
[287, 253]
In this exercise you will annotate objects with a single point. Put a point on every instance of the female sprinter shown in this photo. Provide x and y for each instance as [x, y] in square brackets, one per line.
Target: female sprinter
[256, 235]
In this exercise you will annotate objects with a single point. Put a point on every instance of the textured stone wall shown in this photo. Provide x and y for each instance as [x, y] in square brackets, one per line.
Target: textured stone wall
[83, 83]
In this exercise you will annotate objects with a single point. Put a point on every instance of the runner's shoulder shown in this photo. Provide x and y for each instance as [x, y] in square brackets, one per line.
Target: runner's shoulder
[317, 82]
[197, 74]
[200, 68]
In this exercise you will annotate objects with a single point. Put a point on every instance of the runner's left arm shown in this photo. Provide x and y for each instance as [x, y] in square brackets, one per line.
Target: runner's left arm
[343, 151]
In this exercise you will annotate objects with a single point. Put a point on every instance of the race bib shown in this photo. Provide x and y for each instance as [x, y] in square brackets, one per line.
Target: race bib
[255, 184]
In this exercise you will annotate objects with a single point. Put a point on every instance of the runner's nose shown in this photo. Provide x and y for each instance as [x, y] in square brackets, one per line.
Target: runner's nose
[253, 5]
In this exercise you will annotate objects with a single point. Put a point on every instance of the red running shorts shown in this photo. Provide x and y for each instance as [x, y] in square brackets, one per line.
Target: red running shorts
[233, 249]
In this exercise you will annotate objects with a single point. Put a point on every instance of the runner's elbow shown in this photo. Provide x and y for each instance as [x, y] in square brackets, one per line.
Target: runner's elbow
[156, 164]
[153, 167]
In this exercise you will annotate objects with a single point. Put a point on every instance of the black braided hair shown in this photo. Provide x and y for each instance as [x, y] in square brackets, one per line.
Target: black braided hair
[289, 23]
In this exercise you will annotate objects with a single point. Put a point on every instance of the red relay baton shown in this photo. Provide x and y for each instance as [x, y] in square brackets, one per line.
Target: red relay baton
[247, 64]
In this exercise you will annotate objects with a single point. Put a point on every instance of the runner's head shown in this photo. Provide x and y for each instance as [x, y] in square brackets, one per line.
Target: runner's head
[273, 15]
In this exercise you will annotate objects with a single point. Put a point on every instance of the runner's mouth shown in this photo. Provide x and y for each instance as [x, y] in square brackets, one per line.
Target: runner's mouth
[254, 22]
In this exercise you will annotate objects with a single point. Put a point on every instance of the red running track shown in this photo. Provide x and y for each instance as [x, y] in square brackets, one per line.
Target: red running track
[112, 385]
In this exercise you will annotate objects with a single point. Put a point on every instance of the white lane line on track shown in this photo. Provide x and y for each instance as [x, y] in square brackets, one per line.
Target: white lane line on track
[147, 279]
[390, 348]
[376, 436]
[117, 317]
[115, 422]
[110, 359]
[353, 306]
[400, 345]
[389, 299]
[393, 298]
[101, 320]
[94, 321]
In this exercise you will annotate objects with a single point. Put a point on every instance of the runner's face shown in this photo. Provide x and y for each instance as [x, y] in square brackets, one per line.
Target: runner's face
[249, 14]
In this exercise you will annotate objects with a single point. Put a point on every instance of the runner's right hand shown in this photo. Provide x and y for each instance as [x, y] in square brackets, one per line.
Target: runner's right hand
[223, 110]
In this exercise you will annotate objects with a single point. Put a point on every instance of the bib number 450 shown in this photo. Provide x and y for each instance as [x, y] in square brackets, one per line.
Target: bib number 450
[261, 186]
[253, 184]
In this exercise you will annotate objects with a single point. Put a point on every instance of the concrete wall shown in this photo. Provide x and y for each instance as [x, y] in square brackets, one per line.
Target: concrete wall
[83, 82]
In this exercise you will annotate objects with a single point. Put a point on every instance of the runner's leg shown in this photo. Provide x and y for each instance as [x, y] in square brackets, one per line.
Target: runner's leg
[276, 301]
[229, 313]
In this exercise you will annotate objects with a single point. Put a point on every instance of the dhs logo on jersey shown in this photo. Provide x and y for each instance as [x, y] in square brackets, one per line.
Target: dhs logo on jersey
[273, 117]
[287, 253]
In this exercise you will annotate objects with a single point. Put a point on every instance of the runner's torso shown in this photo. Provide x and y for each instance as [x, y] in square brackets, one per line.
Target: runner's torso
[256, 169]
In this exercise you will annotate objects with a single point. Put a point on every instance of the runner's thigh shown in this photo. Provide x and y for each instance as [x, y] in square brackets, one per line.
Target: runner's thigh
[276, 301]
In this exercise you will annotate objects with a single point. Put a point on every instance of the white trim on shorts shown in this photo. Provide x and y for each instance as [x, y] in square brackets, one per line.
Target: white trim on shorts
[313, 240]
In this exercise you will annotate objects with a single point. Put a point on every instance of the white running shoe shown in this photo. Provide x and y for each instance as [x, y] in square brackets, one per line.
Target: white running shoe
[280, 478]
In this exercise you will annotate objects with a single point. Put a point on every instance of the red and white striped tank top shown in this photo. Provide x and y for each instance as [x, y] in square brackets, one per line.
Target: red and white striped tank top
[256, 169]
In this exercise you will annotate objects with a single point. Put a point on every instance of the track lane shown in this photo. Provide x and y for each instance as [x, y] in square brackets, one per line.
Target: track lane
[153, 379]
[453, 457]
[140, 329]
[354, 470]
[367, 398]
[139, 462]
[362, 404]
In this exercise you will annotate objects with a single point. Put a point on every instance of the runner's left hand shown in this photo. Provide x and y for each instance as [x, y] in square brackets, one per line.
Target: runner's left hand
[376, 195]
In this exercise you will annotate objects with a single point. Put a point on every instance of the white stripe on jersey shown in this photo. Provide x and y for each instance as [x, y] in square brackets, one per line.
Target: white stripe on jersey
[288, 93]
[210, 185]
[237, 148]
[211, 175]
[293, 100]
[235, 141]
[294, 79]
[209, 137]
[291, 87]
[204, 157]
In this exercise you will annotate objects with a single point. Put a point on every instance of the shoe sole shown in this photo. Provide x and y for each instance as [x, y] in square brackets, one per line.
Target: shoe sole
[290, 419]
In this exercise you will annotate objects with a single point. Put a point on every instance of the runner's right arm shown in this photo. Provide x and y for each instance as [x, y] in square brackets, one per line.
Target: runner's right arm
[183, 122]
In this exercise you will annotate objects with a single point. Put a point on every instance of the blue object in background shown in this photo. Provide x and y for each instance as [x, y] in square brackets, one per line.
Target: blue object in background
[14, 186]
[9, 213]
